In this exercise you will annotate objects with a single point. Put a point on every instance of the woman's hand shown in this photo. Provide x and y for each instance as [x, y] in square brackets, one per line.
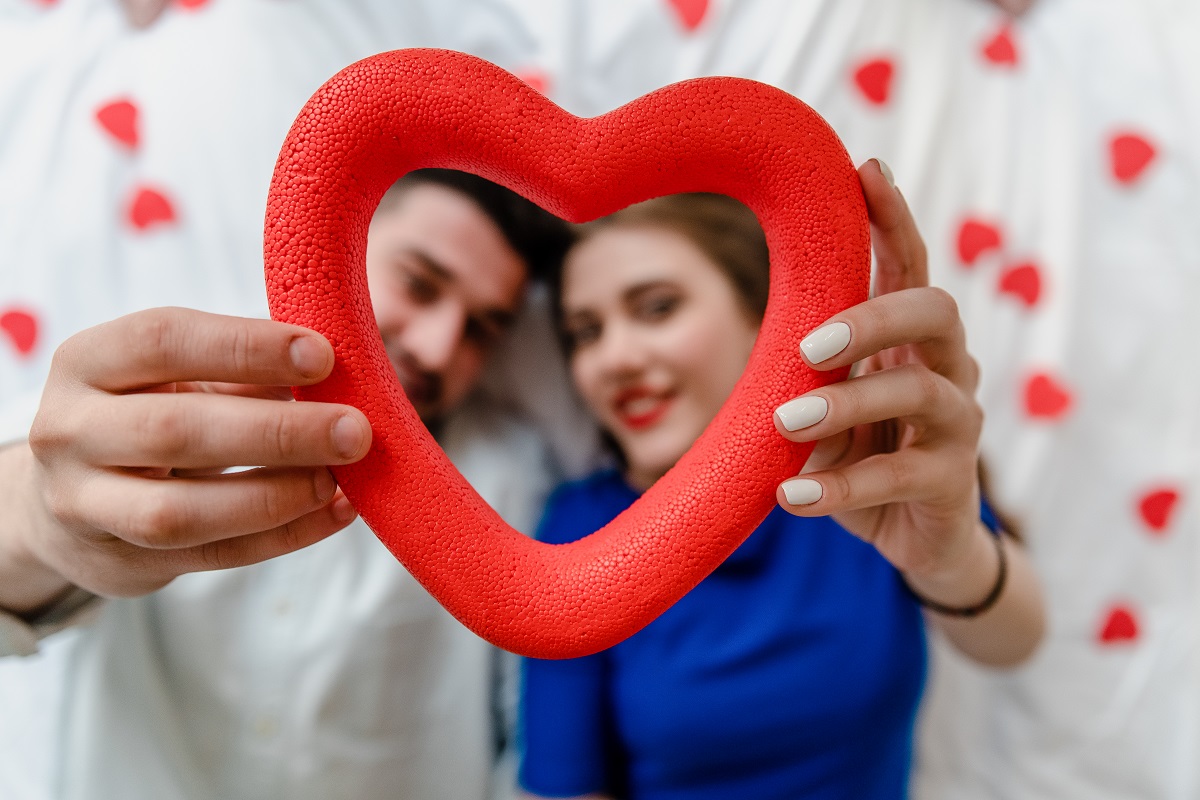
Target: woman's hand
[897, 459]
[120, 488]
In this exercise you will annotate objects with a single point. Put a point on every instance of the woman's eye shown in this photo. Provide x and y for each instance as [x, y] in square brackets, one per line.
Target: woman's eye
[657, 307]
[577, 336]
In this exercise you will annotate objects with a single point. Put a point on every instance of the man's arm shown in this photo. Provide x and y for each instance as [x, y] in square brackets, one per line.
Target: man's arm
[121, 486]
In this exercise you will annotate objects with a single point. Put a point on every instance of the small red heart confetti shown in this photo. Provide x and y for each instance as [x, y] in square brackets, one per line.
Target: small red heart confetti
[1000, 49]
[690, 12]
[874, 79]
[1023, 281]
[1156, 507]
[120, 119]
[975, 238]
[537, 80]
[1045, 397]
[21, 326]
[150, 207]
[1131, 154]
[1120, 626]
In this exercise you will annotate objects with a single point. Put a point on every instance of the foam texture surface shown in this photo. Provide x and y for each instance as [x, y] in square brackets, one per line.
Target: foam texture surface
[395, 112]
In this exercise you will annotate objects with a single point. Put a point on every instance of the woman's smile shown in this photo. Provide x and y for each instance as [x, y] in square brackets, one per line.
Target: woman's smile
[639, 408]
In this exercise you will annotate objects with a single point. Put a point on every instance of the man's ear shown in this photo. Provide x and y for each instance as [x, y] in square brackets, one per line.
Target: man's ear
[143, 13]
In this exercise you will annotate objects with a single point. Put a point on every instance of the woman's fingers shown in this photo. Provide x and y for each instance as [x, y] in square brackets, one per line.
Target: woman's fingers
[909, 475]
[925, 320]
[165, 345]
[176, 513]
[909, 393]
[199, 430]
[900, 257]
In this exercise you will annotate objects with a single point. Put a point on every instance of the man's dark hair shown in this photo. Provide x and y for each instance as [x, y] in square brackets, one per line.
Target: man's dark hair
[539, 238]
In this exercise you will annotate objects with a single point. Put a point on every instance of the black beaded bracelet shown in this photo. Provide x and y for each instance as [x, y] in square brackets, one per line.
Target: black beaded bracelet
[983, 605]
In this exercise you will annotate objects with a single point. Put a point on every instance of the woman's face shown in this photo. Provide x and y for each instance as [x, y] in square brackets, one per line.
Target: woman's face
[658, 339]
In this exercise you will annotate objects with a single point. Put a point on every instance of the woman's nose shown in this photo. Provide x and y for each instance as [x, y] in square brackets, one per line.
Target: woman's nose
[622, 350]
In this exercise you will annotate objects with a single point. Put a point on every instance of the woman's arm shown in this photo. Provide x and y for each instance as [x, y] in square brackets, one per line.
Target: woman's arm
[897, 463]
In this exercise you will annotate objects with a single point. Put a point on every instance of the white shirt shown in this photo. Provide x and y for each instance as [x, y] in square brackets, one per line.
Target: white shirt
[326, 673]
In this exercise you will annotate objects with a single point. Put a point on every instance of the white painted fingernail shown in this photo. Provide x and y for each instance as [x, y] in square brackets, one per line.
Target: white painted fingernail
[887, 172]
[826, 342]
[801, 491]
[802, 412]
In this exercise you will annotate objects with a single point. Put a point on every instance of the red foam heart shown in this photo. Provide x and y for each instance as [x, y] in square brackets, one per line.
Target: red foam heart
[538, 81]
[976, 237]
[1156, 507]
[120, 119]
[1120, 626]
[1045, 397]
[874, 79]
[21, 326]
[690, 12]
[1023, 281]
[150, 207]
[396, 112]
[1130, 154]
[1000, 48]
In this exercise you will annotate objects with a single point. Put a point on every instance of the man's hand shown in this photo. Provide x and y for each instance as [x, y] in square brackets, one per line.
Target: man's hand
[122, 486]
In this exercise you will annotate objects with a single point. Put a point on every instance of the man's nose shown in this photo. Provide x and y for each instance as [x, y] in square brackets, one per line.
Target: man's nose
[434, 334]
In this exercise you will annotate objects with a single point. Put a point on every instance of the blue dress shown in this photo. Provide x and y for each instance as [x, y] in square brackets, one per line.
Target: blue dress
[793, 671]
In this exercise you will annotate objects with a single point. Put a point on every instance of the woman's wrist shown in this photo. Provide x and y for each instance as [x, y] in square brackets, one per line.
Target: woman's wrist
[969, 585]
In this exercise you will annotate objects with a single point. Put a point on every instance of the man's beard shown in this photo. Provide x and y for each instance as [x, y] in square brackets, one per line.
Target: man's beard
[423, 388]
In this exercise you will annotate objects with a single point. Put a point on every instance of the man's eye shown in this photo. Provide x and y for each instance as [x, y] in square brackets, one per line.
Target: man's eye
[420, 289]
[483, 333]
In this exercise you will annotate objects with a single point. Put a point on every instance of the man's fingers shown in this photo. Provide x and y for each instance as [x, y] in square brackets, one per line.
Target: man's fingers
[901, 261]
[264, 545]
[909, 392]
[926, 319]
[200, 431]
[177, 513]
[166, 345]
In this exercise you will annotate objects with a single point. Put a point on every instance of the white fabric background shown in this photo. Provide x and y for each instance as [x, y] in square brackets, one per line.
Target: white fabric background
[1110, 708]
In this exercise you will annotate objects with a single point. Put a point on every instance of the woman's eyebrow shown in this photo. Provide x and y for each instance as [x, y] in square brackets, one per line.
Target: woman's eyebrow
[632, 293]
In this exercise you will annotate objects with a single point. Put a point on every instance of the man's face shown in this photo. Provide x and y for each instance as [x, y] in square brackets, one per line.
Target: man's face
[445, 285]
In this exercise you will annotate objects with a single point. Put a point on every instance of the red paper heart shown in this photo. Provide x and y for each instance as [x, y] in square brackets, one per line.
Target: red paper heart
[1130, 154]
[1156, 508]
[1023, 281]
[150, 207]
[1120, 626]
[975, 238]
[22, 329]
[120, 119]
[191, 4]
[1000, 49]
[1045, 397]
[690, 12]
[395, 112]
[874, 79]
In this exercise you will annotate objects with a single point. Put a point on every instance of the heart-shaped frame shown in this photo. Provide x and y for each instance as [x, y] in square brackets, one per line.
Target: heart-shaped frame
[395, 112]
